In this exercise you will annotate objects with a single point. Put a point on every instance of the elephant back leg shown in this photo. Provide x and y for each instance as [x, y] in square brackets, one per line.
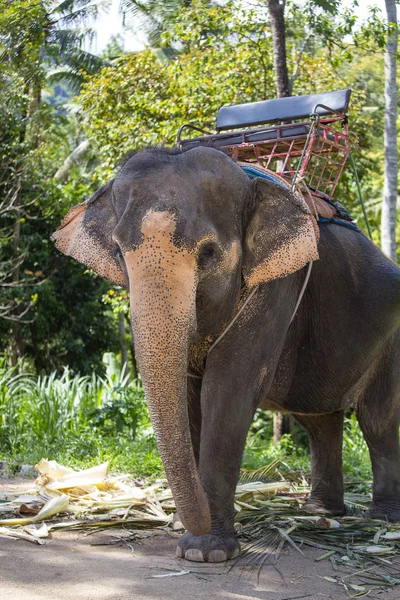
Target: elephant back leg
[325, 433]
[378, 413]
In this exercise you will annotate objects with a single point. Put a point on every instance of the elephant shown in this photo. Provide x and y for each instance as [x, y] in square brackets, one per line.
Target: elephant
[215, 263]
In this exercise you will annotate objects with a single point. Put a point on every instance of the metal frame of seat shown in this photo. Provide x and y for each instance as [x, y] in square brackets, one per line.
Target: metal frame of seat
[315, 150]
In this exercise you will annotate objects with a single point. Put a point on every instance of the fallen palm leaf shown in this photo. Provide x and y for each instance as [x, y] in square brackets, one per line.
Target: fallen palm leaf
[53, 507]
[259, 475]
[391, 535]
[15, 534]
[377, 549]
[53, 469]
[259, 488]
[175, 574]
[42, 531]
[28, 509]
[73, 479]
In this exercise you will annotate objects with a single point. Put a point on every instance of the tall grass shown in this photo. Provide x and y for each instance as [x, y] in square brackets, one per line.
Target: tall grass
[82, 419]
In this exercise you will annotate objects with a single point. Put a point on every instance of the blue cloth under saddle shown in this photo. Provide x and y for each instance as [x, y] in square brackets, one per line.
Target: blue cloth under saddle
[253, 171]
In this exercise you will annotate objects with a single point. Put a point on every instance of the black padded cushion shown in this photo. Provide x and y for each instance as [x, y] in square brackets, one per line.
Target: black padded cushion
[280, 109]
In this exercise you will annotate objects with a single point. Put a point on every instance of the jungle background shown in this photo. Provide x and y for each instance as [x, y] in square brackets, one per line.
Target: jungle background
[69, 386]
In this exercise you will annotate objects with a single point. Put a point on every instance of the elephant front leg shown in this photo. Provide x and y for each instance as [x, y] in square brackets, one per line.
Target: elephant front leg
[325, 433]
[225, 423]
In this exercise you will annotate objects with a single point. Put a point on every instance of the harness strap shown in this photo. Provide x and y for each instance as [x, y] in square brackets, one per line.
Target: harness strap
[245, 303]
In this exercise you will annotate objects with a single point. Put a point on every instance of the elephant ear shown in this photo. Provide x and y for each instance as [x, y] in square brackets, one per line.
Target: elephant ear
[281, 237]
[86, 235]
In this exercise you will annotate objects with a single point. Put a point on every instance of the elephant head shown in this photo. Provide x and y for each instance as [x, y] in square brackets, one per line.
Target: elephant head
[185, 232]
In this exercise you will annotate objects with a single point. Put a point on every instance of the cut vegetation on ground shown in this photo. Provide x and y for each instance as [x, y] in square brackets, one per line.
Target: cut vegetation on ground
[268, 517]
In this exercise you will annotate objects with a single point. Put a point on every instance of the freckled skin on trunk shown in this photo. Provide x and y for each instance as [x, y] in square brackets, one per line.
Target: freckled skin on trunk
[163, 289]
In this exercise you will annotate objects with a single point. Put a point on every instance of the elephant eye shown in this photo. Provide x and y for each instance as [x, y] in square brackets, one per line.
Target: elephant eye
[118, 255]
[207, 255]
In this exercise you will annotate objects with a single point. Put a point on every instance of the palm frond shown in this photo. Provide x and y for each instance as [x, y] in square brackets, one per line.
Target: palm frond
[67, 5]
[68, 60]
[79, 12]
[62, 40]
[69, 77]
[151, 16]
[81, 60]
[264, 474]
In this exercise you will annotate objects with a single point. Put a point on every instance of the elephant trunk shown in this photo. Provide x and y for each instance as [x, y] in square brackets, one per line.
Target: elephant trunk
[163, 291]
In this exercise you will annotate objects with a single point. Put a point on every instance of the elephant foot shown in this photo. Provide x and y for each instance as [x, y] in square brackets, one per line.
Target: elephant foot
[384, 512]
[209, 547]
[316, 506]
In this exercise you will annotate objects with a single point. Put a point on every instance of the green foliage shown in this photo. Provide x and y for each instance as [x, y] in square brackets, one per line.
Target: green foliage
[142, 100]
[356, 460]
[133, 93]
[292, 450]
[80, 420]
[154, 17]
[293, 453]
[40, 38]
[84, 420]
[49, 310]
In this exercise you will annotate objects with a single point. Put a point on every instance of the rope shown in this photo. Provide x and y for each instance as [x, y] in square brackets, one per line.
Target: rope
[219, 338]
[360, 198]
[245, 303]
[299, 183]
[314, 118]
[303, 289]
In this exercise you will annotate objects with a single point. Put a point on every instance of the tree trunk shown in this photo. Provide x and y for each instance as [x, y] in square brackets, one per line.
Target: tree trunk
[72, 160]
[16, 349]
[17, 345]
[276, 9]
[388, 222]
[278, 426]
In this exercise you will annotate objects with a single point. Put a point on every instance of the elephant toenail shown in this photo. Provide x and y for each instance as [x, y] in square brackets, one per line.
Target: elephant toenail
[194, 554]
[235, 553]
[179, 552]
[217, 556]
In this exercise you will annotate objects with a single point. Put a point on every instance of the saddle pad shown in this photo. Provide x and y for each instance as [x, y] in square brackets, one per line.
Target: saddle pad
[328, 211]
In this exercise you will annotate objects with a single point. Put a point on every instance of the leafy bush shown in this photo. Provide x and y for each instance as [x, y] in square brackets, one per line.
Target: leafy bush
[78, 420]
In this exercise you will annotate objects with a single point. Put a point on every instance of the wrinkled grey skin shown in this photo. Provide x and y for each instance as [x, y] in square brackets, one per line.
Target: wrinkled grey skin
[341, 350]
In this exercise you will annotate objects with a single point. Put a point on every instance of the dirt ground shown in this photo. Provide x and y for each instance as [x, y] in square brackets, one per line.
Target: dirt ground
[71, 566]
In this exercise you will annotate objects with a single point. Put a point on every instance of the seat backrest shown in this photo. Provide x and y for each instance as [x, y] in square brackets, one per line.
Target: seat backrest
[280, 109]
